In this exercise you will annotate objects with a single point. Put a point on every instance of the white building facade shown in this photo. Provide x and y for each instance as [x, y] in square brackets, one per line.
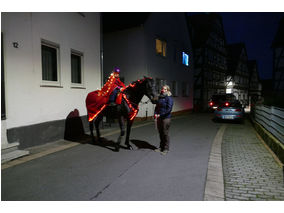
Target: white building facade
[51, 61]
[159, 47]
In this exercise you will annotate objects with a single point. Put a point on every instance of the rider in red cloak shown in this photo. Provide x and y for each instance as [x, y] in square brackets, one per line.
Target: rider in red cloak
[97, 100]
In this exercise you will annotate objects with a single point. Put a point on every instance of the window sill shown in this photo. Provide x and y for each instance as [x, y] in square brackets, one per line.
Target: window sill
[54, 86]
[77, 87]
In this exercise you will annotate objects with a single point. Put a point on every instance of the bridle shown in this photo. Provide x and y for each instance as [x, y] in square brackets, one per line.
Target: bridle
[130, 104]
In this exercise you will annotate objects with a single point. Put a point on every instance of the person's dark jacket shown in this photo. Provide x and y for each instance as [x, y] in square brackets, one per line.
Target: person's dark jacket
[164, 106]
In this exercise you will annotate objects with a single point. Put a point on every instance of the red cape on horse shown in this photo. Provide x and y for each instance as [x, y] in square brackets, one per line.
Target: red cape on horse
[97, 100]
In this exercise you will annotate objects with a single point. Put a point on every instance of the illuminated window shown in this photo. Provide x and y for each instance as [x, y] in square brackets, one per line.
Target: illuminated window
[228, 91]
[159, 84]
[50, 63]
[185, 59]
[161, 47]
[77, 71]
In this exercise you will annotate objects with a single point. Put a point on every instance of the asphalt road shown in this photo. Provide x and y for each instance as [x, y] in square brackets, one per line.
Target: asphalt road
[91, 172]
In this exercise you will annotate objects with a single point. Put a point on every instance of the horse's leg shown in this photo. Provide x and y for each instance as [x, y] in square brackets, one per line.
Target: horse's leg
[97, 125]
[122, 132]
[91, 126]
[129, 124]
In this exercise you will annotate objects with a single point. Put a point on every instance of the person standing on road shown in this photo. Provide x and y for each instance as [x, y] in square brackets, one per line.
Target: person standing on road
[163, 111]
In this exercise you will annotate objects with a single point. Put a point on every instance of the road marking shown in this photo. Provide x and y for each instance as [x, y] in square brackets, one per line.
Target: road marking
[214, 187]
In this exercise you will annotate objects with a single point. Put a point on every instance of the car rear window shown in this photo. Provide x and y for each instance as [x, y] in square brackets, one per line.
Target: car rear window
[223, 98]
[232, 104]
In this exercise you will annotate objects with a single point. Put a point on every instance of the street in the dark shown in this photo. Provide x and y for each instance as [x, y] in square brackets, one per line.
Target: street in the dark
[90, 172]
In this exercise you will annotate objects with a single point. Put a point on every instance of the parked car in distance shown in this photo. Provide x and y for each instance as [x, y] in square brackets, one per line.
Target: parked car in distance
[230, 111]
[218, 99]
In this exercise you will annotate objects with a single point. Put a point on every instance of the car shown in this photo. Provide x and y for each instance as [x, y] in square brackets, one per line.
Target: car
[218, 99]
[230, 111]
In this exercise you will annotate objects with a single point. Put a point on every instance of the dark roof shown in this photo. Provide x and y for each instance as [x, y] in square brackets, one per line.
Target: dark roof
[202, 25]
[279, 37]
[114, 21]
[234, 52]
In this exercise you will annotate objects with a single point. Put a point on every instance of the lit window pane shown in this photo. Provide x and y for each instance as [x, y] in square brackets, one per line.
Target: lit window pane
[164, 48]
[159, 47]
[185, 59]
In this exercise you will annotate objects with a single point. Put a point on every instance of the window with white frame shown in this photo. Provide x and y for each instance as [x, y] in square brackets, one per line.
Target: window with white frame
[174, 88]
[185, 89]
[161, 47]
[159, 84]
[76, 68]
[50, 63]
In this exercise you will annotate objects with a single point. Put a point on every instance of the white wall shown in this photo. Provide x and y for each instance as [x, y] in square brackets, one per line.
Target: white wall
[27, 102]
[125, 49]
[173, 28]
[133, 50]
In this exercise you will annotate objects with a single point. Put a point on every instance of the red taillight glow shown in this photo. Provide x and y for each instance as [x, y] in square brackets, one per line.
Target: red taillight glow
[211, 103]
[227, 104]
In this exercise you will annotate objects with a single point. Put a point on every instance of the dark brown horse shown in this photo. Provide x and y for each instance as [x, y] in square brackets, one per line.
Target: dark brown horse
[127, 110]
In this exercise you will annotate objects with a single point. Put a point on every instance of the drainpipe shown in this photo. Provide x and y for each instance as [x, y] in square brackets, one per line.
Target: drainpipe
[101, 50]
[102, 59]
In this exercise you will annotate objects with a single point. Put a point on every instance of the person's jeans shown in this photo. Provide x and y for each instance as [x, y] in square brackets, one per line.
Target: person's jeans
[113, 95]
[163, 127]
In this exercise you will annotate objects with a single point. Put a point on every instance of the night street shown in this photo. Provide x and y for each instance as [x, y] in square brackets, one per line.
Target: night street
[90, 172]
[195, 88]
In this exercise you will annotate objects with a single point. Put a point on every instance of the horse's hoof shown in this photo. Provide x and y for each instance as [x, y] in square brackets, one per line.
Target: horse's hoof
[117, 148]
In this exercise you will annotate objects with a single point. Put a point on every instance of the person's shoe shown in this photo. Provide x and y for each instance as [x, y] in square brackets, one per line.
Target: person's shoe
[165, 152]
[157, 150]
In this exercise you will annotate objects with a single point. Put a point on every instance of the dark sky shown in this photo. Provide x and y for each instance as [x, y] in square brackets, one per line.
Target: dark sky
[257, 31]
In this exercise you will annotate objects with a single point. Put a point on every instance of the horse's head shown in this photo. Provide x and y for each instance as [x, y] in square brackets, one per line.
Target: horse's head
[150, 89]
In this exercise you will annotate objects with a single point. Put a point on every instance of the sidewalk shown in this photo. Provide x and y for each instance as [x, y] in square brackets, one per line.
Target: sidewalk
[240, 166]
[250, 170]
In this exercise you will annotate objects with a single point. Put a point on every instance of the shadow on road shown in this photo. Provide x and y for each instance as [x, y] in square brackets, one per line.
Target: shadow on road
[143, 144]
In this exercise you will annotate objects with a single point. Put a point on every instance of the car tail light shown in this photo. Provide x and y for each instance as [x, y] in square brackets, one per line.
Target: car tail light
[219, 109]
[227, 104]
[211, 103]
[238, 110]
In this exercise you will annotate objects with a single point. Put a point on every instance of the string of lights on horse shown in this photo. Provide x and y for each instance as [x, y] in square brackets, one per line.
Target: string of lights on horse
[133, 110]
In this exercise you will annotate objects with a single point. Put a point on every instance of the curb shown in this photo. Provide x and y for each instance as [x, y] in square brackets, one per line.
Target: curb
[271, 142]
[214, 187]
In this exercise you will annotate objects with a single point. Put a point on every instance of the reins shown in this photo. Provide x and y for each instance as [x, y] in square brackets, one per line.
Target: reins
[130, 104]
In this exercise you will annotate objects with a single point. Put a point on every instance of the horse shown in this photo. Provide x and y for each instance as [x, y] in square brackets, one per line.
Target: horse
[127, 110]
